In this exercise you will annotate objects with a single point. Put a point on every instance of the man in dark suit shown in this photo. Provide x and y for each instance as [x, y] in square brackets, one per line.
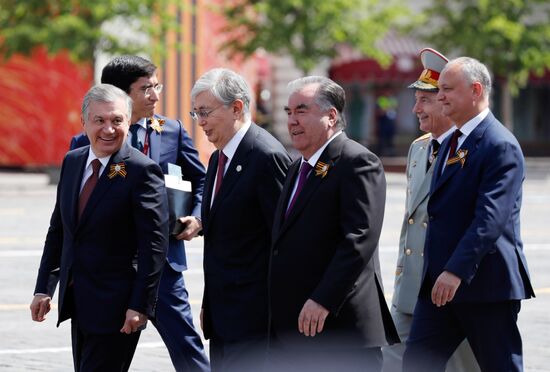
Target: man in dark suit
[165, 141]
[107, 238]
[327, 305]
[475, 272]
[243, 182]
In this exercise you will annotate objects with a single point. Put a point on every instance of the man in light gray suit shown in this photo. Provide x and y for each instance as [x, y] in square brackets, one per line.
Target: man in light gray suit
[422, 153]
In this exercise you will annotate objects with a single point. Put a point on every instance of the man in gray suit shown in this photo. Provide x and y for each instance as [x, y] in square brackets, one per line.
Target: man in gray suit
[422, 153]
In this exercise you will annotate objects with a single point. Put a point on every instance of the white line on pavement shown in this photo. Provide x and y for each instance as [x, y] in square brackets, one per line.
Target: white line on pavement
[145, 345]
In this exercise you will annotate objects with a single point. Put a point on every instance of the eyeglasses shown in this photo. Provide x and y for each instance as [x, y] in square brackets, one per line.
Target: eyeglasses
[157, 89]
[202, 114]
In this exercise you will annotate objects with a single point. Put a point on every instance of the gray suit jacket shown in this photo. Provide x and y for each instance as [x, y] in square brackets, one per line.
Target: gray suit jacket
[410, 260]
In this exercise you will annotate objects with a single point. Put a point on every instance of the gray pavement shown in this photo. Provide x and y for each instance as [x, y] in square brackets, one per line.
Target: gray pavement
[26, 202]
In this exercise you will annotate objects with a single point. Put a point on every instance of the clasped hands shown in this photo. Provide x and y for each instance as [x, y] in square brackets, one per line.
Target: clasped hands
[192, 228]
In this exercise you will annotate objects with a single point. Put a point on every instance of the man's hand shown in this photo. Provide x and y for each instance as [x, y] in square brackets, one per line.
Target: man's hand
[192, 227]
[40, 306]
[445, 288]
[134, 322]
[312, 318]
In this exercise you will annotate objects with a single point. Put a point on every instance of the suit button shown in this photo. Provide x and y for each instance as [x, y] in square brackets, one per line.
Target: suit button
[408, 251]
[431, 218]
[275, 252]
[425, 224]
[411, 221]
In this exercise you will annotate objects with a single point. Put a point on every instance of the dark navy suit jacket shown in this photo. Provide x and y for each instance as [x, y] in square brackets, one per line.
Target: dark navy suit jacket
[474, 218]
[172, 145]
[114, 253]
[237, 237]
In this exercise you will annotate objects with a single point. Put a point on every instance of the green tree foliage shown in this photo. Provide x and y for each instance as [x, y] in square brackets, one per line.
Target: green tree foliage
[76, 26]
[309, 30]
[511, 36]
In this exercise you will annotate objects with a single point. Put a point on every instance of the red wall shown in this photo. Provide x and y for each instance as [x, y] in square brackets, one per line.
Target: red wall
[40, 99]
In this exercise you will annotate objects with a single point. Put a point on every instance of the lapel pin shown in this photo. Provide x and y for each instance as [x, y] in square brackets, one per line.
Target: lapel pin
[459, 158]
[118, 169]
[321, 169]
[239, 168]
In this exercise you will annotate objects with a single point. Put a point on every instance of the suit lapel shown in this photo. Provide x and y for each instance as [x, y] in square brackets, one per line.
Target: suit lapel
[209, 188]
[285, 196]
[104, 183]
[422, 190]
[329, 156]
[74, 185]
[156, 145]
[470, 144]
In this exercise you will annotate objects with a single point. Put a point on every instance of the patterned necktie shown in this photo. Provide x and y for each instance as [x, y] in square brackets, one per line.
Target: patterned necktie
[88, 187]
[222, 160]
[454, 143]
[304, 171]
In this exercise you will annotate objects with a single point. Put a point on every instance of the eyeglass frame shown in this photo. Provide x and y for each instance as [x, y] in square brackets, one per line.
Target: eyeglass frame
[156, 88]
[202, 114]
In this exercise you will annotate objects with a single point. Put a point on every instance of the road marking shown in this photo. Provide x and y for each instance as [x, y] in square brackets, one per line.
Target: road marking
[10, 307]
[65, 349]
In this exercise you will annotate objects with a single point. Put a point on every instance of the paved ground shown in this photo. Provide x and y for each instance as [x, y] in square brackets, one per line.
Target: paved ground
[26, 202]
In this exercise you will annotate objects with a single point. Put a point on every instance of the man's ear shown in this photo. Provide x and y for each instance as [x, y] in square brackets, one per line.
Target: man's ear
[477, 89]
[332, 116]
[238, 106]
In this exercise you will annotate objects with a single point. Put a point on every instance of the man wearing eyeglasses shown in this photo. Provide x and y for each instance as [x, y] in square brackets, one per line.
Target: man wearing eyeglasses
[244, 180]
[165, 141]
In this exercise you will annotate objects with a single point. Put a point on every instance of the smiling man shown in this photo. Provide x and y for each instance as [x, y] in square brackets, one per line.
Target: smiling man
[327, 306]
[107, 239]
[475, 273]
[422, 154]
[244, 179]
[165, 141]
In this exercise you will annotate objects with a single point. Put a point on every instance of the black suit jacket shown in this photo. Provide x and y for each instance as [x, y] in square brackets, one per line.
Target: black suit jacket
[327, 250]
[237, 236]
[113, 255]
[172, 145]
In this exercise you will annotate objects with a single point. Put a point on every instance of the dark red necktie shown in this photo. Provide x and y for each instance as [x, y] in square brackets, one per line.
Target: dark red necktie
[88, 187]
[304, 171]
[454, 143]
[222, 160]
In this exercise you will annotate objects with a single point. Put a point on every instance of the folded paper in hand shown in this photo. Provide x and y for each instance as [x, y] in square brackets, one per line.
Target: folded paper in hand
[180, 198]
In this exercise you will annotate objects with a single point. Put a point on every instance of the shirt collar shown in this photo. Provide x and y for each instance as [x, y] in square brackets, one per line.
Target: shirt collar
[231, 147]
[442, 137]
[315, 157]
[141, 122]
[91, 157]
[470, 125]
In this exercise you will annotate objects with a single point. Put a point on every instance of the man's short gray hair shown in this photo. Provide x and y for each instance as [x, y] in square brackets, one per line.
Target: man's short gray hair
[226, 86]
[105, 93]
[473, 71]
[328, 95]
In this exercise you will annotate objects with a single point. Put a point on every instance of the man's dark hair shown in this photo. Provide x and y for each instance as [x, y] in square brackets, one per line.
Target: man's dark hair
[123, 71]
[328, 94]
